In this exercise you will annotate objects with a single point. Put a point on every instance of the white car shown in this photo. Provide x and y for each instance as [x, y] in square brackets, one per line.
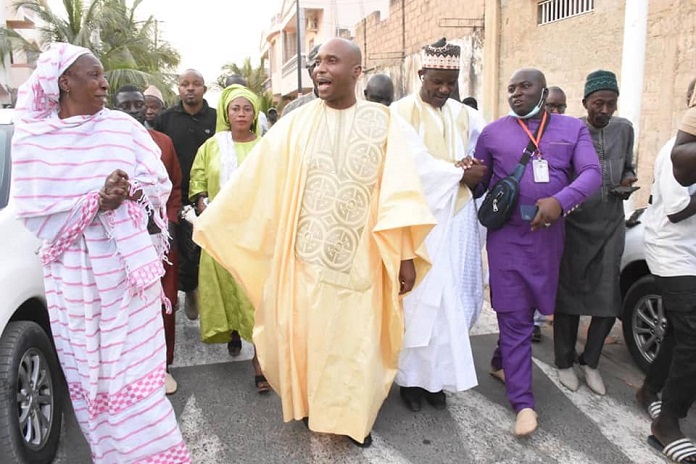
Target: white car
[31, 381]
[643, 317]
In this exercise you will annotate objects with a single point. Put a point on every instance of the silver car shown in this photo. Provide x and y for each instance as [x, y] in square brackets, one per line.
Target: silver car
[643, 317]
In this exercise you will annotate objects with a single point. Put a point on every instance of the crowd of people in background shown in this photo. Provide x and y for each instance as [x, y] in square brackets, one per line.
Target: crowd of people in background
[340, 238]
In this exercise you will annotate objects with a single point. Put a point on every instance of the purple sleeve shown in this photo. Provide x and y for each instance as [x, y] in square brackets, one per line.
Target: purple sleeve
[483, 153]
[588, 175]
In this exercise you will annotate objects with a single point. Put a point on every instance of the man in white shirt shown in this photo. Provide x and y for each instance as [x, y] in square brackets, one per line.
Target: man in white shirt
[670, 251]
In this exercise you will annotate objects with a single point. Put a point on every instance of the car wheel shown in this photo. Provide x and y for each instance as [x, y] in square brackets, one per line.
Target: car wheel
[644, 322]
[31, 403]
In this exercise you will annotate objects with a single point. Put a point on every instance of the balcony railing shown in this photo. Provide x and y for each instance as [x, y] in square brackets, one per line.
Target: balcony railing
[290, 66]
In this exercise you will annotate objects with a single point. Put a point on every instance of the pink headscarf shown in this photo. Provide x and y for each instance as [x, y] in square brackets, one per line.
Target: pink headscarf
[38, 96]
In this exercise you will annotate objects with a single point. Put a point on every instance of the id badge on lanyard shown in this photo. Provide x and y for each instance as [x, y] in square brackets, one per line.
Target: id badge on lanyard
[540, 167]
[541, 171]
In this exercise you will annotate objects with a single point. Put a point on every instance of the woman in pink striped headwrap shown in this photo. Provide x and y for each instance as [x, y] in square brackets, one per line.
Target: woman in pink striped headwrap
[90, 184]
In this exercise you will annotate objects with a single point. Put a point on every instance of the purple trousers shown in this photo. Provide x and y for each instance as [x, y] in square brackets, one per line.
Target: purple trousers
[514, 355]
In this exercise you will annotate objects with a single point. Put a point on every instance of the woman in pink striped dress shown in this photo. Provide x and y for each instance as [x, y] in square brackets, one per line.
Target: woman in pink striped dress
[90, 184]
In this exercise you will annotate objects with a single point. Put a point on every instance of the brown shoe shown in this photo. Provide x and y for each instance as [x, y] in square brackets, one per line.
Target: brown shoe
[191, 305]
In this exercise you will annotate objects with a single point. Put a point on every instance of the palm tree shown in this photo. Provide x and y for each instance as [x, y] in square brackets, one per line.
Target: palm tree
[130, 50]
[256, 78]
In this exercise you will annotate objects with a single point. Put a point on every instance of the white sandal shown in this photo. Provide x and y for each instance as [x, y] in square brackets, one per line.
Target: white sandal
[654, 409]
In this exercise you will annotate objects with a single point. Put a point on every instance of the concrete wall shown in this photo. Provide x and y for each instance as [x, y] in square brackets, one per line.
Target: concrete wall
[566, 51]
[569, 49]
[669, 66]
[393, 45]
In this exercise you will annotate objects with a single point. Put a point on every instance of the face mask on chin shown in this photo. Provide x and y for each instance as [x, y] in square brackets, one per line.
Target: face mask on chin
[533, 112]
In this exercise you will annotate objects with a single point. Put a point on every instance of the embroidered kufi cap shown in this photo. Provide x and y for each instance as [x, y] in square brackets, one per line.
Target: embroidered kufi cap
[441, 55]
[600, 80]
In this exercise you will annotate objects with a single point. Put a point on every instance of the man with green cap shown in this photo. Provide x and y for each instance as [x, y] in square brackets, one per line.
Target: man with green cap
[589, 276]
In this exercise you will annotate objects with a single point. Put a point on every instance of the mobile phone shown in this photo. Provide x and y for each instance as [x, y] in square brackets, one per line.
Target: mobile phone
[622, 190]
[528, 212]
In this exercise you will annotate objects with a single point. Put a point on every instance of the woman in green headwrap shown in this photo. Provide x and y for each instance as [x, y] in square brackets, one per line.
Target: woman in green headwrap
[225, 312]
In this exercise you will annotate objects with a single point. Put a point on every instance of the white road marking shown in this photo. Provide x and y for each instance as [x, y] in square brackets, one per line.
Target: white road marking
[333, 449]
[205, 446]
[623, 426]
[478, 419]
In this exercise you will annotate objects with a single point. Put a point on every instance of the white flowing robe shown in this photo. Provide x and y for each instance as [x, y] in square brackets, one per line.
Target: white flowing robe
[438, 314]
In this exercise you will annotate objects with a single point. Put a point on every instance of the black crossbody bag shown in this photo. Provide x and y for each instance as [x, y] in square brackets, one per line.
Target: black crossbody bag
[502, 199]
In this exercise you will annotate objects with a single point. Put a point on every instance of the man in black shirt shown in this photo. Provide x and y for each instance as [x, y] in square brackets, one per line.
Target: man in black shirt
[190, 123]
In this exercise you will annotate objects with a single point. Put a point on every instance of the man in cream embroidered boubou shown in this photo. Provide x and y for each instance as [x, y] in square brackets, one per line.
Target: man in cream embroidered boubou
[438, 314]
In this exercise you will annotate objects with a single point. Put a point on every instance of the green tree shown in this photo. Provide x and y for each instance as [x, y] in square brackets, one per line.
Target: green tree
[255, 76]
[129, 49]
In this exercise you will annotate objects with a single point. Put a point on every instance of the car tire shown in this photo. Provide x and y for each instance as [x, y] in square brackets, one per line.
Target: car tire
[643, 321]
[30, 390]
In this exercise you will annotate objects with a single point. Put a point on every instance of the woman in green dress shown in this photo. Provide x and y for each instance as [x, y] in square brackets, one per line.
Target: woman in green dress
[226, 315]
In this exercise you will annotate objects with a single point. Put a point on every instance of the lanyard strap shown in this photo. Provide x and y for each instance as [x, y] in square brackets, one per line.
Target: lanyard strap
[535, 139]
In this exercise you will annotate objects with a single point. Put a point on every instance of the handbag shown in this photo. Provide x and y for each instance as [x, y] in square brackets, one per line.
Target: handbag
[501, 200]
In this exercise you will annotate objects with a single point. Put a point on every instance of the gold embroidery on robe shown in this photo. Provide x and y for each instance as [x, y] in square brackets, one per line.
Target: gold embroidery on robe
[338, 192]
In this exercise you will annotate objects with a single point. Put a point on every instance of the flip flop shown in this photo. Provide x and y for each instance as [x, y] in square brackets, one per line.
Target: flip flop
[654, 409]
[681, 450]
[262, 385]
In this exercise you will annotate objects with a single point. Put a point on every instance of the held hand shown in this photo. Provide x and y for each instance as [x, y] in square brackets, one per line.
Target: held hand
[466, 163]
[117, 179]
[474, 175]
[628, 181]
[407, 276]
[201, 205]
[111, 201]
[115, 190]
[549, 212]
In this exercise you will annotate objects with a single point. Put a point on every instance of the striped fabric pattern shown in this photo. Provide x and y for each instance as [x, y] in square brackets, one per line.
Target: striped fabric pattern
[102, 272]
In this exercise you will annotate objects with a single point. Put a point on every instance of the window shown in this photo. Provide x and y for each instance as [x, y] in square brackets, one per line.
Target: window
[550, 11]
[289, 46]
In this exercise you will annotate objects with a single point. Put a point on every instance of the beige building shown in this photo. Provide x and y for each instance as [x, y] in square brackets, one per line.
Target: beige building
[650, 45]
[319, 20]
[393, 45]
[16, 67]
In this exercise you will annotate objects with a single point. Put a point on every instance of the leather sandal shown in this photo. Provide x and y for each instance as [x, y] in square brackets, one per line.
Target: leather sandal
[262, 385]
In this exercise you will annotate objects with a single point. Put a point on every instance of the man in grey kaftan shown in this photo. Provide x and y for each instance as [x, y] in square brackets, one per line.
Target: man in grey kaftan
[589, 278]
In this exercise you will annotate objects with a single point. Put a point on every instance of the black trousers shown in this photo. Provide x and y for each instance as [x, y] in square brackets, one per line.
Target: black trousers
[673, 371]
[189, 258]
[565, 336]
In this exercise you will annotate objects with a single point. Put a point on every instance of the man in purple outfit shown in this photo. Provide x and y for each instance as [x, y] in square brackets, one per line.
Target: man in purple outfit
[524, 256]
